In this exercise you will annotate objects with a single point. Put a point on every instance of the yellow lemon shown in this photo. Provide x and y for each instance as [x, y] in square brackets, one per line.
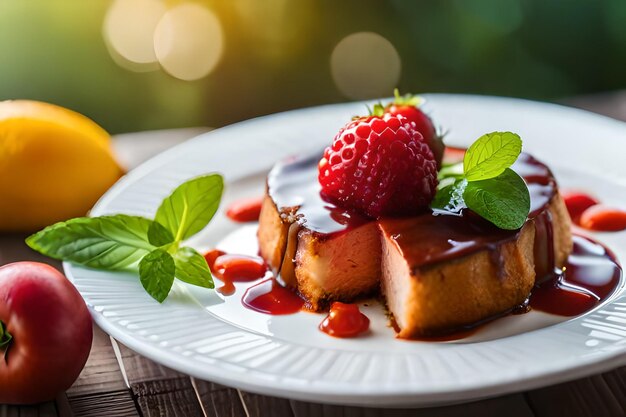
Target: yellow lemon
[54, 164]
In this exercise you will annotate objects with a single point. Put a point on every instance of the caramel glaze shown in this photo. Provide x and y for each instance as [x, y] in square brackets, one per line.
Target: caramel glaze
[293, 185]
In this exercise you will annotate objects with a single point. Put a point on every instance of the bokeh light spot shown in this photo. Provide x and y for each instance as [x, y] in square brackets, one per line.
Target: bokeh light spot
[129, 29]
[365, 65]
[188, 41]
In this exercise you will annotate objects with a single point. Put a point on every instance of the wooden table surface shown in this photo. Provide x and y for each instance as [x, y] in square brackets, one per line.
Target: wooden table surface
[119, 382]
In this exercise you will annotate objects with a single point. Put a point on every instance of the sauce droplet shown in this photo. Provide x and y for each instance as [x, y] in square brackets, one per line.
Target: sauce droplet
[604, 219]
[240, 267]
[245, 210]
[211, 256]
[269, 297]
[577, 203]
[345, 320]
[235, 268]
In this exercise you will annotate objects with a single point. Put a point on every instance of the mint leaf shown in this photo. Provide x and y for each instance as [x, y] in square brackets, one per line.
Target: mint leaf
[156, 273]
[490, 155]
[450, 197]
[108, 242]
[503, 200]
[158, 235]
[191, 206]
[192, 268]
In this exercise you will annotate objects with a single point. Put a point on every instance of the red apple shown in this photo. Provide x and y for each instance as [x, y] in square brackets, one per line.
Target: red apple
[50, 332]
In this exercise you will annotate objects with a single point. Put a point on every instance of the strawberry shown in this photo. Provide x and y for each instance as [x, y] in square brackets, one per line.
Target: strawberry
[408, 106]
[379, 165]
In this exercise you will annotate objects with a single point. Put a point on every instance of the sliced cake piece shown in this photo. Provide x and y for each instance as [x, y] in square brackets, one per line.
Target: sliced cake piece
[322, 267]
[343, 267]
[436, 298]
[442, 273]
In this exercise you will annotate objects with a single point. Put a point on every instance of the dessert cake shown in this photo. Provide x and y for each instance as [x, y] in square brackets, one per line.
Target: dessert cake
[437, 271]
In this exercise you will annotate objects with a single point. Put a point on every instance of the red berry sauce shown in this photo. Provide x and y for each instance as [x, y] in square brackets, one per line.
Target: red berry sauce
[588, 213]
[577, 203]
[603, 219]
[269, 297]
[245, 210]
[211, 256]
[345, 320]
[234, 268]
[589, 277]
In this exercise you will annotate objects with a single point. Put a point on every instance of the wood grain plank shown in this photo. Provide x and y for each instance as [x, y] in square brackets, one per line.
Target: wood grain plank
[101, 373]
[616, 382]
[217, 400]
[206, 387]
[64, 409]
[169, 397]
[262, 405]
[599, 395]
[100, 389]
[509, 406]
[8, 411]
[140, 369]
[158, 390]
[110, 404]
[46, 409]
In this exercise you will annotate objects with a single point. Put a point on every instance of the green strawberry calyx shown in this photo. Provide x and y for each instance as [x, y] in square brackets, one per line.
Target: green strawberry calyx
[406, 100]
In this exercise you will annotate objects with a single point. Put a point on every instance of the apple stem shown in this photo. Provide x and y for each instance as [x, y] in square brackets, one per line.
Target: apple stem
[5, 340]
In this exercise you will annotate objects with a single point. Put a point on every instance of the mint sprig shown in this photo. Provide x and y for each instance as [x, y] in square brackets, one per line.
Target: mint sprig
[151, 247]
[485, 183]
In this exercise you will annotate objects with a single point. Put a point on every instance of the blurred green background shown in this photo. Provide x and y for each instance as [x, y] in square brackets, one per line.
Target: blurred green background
[258, 57]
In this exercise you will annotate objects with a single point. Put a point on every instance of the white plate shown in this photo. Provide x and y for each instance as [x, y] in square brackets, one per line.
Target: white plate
[203, 334]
